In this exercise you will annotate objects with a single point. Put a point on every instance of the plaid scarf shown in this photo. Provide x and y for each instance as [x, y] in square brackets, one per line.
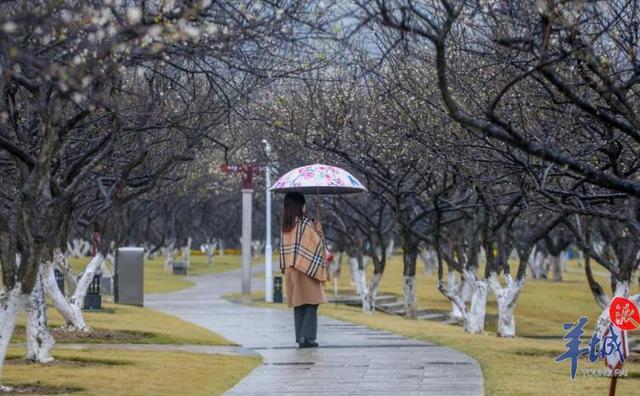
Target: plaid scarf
[303, 249]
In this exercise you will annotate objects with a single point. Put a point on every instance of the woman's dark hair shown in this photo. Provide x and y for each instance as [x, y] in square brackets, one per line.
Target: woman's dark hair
[293, 204]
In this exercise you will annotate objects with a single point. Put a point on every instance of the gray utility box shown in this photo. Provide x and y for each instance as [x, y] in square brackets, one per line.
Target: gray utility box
[128, 278]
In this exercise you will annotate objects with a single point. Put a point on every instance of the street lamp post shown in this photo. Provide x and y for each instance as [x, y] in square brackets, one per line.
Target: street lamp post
[268, 251]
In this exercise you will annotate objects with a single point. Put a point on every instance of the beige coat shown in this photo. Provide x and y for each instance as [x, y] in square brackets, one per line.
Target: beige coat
[302, 289]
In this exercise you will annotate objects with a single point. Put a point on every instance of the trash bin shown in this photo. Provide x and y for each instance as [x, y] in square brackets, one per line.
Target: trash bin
[93, 298]
[59, 279]
[128, 278]
[179, 268]
[277, 289]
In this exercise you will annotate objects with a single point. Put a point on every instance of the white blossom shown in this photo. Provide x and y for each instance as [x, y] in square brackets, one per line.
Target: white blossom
[134, 15]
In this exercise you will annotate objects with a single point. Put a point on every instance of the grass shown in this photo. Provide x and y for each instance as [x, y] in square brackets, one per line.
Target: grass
[523, 365]
[122, 372]
[159, 280]
[155, 327]
[117, 372]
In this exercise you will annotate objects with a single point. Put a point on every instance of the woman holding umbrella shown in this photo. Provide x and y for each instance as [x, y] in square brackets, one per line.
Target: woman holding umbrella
[302, 262]
[302, 243]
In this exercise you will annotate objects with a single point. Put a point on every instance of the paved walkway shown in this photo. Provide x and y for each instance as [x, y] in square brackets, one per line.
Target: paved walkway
[206, 349]
[352, 359]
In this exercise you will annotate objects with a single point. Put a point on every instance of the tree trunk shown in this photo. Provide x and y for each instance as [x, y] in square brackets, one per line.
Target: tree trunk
[10, 308]
[468, 286]
[598, 293]
[622, 290]
[472, 317]
[211, 249]
[186, 253]
[365, 263]
[39, 340]
[361, 283]
[429, 261]
[410, 255]
[71, 309]
[475, 317]
[373, 291]
[456, 312]
[410, 299]
[353, 271]
[169, 255]
[555, 262]
[536, 264]
[506, 298]
[363, 290]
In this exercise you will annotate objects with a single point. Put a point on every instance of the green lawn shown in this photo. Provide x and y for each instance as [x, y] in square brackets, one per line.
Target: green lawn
[122, 372]
[159, 280]
[523, 365]
[147, 326]
[119, 372]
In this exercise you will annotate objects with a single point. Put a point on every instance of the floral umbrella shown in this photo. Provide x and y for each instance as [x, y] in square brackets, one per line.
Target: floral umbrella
[318, 179]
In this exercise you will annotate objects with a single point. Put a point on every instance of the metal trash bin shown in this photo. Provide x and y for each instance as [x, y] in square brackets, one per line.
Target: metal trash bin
[277, 289]
[179, 268]
[128, 278]
[59, 279]
[93, 298]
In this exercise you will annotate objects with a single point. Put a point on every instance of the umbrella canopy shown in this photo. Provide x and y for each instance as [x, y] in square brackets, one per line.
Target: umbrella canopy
[318, 179]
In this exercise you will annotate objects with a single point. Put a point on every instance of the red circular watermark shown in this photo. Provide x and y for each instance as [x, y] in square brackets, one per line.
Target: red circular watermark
[624, 314]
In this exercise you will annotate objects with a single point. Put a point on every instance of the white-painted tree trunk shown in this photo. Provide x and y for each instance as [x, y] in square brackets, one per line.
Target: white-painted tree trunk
[506, 298]
[374, 285]
[468, 286]
[78, 248]
[410, 298]
[580, 258]
[209, 249]
[257, 247]
[429, 261]
[390, 248]
[70, 278]
[482, 256]
[39, 340]
[353, 268]
[169, 255]
[473, 314]
[555, 262]
[622, 290]
[335, 268]
[454, 297]
[536, 264]
[186, 253]
[453, 287]
[474, 322]
[363, 290]
[221, 247]
[147, 252]
[71, 308]
[10, 308]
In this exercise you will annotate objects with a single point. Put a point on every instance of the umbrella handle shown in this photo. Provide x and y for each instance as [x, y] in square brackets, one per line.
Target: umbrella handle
[318, 204]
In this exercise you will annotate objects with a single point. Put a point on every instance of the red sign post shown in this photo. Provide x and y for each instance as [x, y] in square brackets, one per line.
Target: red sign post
[624, 316]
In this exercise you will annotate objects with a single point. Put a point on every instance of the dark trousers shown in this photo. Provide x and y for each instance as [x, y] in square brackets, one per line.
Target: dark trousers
[306, 321]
